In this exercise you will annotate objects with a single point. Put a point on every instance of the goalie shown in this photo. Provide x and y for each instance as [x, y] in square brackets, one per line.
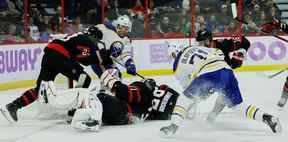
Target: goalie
[88, 108]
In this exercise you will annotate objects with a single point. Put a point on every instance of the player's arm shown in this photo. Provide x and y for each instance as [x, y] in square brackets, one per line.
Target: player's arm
[275, 24]
[124, 55]
[234, 51]
[128, 93]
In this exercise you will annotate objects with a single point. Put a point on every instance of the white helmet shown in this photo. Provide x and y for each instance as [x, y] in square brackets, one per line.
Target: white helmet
[123, 20]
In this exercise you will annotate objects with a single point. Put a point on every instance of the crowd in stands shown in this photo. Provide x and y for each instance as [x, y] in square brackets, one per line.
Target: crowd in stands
[151, 18]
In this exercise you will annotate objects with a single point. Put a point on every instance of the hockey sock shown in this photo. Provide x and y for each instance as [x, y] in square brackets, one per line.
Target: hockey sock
[180, 109]
[284, 95]
[285, 88]
[250, 111]
[26, 98]
[253, 112]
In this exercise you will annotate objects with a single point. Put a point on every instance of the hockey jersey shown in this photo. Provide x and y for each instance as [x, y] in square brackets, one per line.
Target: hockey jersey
[197, 60]
[157, 104]
[111, 40]
[77, 47]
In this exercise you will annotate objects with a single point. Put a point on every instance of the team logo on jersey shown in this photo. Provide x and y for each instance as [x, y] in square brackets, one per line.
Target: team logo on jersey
[116, 48]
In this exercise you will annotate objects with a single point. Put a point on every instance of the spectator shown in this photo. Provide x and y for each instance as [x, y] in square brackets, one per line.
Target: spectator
[164, 26]
[138, 10]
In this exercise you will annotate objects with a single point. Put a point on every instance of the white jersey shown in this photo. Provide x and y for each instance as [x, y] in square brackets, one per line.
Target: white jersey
[197, 60]
[111, 38]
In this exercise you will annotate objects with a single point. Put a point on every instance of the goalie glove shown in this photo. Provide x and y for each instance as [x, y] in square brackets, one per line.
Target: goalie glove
[109, 78]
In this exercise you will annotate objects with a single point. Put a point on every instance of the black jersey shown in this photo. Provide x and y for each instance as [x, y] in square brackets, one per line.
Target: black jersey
[77, 47]
[229, 45]
[157, 104]
[163, 103]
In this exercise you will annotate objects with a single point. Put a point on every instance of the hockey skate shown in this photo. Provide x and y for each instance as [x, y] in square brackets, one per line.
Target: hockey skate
[10, 112]
[90, 125]
[283, 100]
[168, 131]
[273, 123]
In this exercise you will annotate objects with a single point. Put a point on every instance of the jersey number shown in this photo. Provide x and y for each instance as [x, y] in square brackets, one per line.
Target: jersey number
[158, 94]
[200, 54]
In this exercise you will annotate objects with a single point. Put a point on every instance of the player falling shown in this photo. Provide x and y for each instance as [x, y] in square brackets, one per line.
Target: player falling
[201, 69]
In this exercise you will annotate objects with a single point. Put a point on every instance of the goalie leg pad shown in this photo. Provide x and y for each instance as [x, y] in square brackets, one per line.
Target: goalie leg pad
[88, 118]
[83, 81]
[47, 88]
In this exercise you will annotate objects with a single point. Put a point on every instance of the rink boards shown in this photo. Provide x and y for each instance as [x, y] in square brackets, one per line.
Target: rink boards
[20, 63]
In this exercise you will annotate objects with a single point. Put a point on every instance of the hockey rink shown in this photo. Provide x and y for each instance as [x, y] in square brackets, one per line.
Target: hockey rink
[256, 89]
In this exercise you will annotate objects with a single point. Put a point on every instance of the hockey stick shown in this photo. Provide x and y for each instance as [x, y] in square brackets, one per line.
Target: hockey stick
[274, 74]
[235, 16]
[118, 62]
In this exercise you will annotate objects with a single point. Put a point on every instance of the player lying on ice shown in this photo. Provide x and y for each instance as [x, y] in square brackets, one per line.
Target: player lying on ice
[143, 100]
[203, 69]
[120, 104]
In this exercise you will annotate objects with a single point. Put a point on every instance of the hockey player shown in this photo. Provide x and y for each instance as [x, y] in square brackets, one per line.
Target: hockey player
[201, 69]
[92, 47]
[88, 108]
[140, 99]
[61, 56]
[234, 53]
[115, 41]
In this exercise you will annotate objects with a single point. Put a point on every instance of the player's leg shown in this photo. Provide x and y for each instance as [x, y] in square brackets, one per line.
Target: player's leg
[50, 64]
[74, 71]
[198, 90]
[88, 108]
[28, 97]
[217, 109]
[88, 115]
[283, 100]
[234, 100]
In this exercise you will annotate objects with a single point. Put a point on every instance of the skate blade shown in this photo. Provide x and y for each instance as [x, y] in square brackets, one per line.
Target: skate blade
[6, 116]
[278, 127]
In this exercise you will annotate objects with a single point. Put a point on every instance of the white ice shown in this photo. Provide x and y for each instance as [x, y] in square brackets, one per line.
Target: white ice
[228, 127]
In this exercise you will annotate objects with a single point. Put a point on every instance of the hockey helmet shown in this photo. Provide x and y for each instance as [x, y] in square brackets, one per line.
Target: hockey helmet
[150, 83]
[203, 35]
[122, 25]
[94, 32]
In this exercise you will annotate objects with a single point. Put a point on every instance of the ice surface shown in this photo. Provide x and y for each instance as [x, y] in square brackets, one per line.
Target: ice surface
[228, 127]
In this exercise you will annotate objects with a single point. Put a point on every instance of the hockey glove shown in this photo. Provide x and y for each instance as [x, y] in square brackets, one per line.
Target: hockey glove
[269, 27]
[237, 58]
[130, 67]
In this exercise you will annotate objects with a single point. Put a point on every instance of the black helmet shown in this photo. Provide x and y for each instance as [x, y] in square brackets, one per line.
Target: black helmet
[150, 83]
[203, 35]
[94, 31]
